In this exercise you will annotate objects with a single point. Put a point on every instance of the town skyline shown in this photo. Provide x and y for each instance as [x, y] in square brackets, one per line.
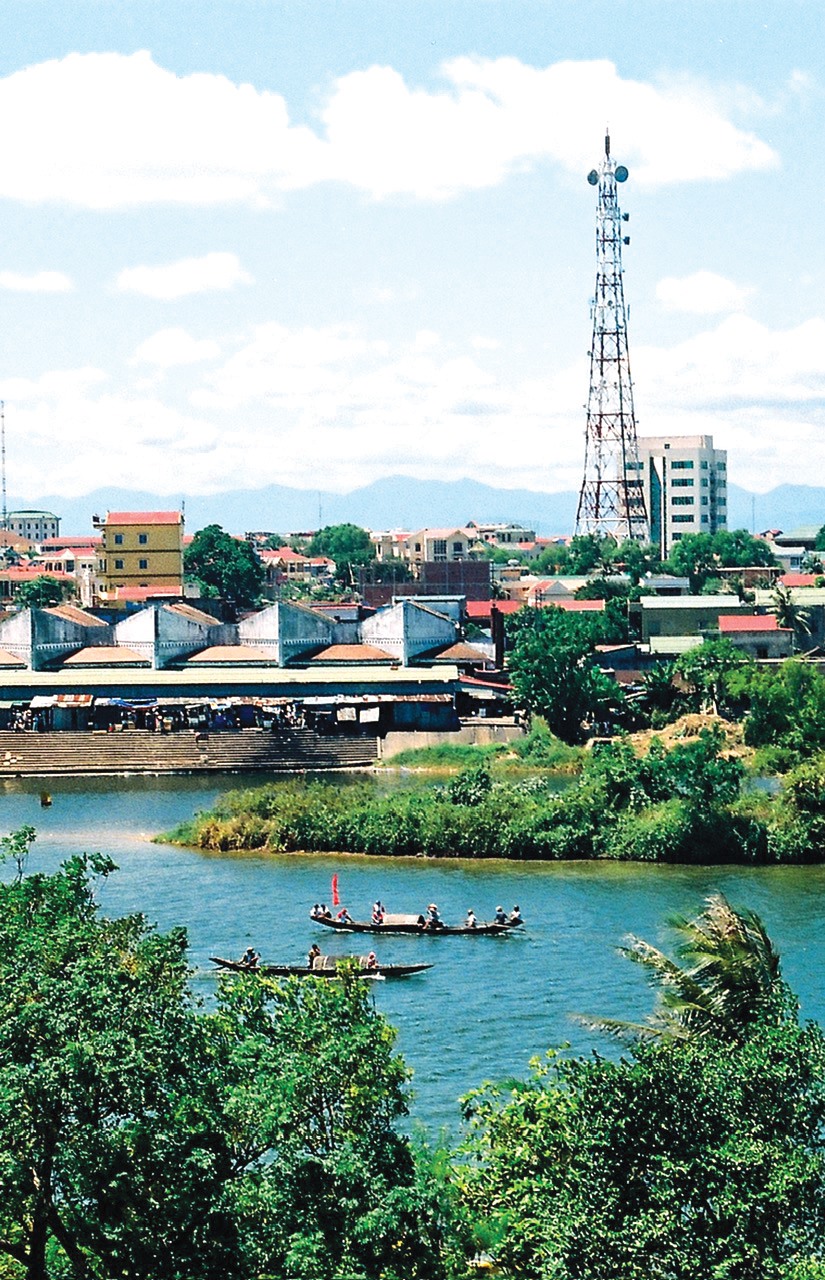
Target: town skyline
[284, 246]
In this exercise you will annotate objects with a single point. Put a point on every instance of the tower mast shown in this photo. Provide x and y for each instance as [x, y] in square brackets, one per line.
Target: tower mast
[5, 523]
[611, 499]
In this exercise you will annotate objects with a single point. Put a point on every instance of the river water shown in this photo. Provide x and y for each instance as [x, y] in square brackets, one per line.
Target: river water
[488, 1004]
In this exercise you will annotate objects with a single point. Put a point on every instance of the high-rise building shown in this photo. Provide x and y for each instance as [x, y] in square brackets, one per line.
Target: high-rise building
[684, 480]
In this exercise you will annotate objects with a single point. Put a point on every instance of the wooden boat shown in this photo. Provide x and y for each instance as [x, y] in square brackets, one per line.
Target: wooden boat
[324, 967]
[411, 924]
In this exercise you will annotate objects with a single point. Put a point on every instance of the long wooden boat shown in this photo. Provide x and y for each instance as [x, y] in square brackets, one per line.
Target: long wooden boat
[411, 924]
[324, 967]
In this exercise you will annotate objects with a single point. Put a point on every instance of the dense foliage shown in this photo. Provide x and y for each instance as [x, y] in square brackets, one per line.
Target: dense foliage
[41, 592]
[142, 1137]
[700, 1153]
[348, 545]
[682, 805]
[224, 566]
[552, 673]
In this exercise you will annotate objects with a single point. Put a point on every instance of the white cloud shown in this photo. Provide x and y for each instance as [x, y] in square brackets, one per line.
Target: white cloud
[214, 271]
[702, 293]
[106, 130]
[332, 406]
[39, 282]
[170, 347]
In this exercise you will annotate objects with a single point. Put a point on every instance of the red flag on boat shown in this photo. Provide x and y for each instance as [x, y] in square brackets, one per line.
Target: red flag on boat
[336, 901]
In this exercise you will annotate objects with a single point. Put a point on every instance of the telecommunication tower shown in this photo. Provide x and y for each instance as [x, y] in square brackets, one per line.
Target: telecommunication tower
[611, 500]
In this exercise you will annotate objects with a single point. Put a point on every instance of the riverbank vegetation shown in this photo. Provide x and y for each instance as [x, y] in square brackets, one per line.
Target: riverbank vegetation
[146, 1135]
[686, 804]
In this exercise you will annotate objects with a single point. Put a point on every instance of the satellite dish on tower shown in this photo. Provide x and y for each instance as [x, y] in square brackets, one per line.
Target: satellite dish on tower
[621, 173]
[593, 177]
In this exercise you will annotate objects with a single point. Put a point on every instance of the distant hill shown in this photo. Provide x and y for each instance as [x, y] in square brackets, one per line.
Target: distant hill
[397, 502]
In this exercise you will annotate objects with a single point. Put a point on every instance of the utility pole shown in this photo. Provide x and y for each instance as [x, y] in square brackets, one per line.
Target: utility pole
[3, 461]
[611, 499]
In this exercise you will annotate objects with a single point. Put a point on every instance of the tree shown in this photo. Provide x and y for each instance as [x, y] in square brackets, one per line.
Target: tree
[104, 1089]
[707, 669]
[819, 543]
[315, 1091]
[41, 593]
[224, 566]
[348, 545]
[553, 676]
[691, 1156]
[141, 1137]
[730, 982]
[698, 555]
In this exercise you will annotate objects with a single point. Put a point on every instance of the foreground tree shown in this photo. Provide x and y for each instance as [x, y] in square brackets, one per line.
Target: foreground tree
[698, 1155]
[143, 1138]
[224, 566]
[726, 977]
[107, 1165]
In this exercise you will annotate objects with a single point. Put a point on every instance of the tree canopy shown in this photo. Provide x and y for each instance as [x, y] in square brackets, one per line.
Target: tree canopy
[693, 1155]
[144, 1137]
[699, 555]
[224, 566]
[41, 593]
[348, 545]
[551, 671]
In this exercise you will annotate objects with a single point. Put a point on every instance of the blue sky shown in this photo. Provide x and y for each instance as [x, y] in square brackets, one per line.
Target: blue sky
[317, 243]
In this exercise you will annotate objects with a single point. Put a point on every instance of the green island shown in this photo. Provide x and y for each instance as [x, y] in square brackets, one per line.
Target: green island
[271, 1135]
[681, 778]
[689, 803]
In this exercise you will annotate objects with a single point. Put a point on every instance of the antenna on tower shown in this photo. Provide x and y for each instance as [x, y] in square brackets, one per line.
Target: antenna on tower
[611, 499]
[5, 524]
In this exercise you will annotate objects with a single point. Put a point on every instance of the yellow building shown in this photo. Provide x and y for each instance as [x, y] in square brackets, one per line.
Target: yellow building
[140, 549]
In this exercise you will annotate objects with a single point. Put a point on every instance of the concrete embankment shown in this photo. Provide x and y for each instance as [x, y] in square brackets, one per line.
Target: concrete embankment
[138, 751]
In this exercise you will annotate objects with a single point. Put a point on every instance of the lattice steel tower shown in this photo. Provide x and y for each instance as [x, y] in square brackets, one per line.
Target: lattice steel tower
[611, 500]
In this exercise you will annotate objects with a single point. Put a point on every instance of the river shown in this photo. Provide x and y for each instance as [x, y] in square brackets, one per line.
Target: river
[488, 1004]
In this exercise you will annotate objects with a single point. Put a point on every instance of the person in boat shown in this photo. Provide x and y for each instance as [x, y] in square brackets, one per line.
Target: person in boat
[372, 961]
[470, 922]
[344, 916]
[378, 912]
[314, 954]
[501, 916]
[324, 912]
[432, 919]
[515, 916]
[315, 912]
[250, 958]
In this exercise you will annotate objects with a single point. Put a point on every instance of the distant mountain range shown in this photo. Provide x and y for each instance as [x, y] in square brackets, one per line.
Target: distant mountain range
[397, 502]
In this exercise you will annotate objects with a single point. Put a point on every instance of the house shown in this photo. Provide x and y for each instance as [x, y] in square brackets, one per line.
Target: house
[668, 617]
[139, 549]
[760, 637]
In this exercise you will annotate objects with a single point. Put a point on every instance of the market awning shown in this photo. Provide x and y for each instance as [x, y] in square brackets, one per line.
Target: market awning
[42, 700]
[73, 700]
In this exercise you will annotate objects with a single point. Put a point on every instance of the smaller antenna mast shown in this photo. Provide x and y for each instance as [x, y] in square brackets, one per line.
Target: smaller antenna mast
[3, 460]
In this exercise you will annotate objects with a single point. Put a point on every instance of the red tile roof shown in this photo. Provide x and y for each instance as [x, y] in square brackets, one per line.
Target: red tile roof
[800, 579]
[575, 606]
[144, 593]
[353, 653]
[481, 608]
[760, 622]
[144, 517]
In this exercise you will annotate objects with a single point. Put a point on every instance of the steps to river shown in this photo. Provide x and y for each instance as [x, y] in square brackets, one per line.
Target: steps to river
[139, 751]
